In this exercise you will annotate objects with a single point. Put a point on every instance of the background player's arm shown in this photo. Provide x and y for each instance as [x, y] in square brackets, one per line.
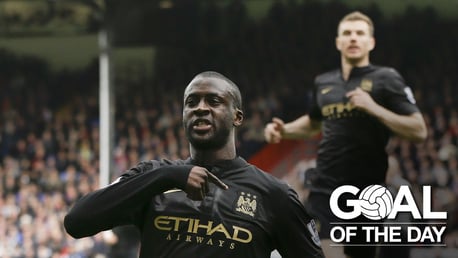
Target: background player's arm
[301, 128]
[411, 127]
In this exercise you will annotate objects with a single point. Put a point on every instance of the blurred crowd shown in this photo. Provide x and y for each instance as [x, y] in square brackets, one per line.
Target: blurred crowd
[49, 126]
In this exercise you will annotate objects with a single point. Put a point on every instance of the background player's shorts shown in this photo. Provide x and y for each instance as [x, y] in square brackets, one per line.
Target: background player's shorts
[318, 206]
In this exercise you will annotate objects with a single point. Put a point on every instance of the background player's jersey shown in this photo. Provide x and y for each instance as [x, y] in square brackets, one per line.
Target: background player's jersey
[352, 150]
[257, 214]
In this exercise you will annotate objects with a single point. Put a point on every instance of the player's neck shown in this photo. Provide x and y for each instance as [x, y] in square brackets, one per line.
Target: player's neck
[348, 65]
[204, 157]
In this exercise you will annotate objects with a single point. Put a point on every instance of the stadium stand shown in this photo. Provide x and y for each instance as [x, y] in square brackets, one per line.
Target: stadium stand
[49, 138]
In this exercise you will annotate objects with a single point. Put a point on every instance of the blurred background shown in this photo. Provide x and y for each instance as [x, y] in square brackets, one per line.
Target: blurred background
[74, 73]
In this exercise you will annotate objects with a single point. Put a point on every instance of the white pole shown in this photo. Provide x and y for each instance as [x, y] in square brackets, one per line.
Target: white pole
[106, 111]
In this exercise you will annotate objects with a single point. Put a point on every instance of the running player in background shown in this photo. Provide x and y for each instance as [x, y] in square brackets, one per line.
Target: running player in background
[356, 107]
[214, 204]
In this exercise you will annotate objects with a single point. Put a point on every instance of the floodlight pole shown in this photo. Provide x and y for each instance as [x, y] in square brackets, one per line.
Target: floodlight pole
[106, 106]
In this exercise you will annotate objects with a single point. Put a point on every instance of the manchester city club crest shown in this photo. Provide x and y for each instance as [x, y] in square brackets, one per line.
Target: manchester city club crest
[366, 85]
[246, 204]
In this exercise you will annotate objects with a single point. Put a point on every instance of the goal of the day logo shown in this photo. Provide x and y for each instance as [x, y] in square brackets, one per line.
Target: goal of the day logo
[376, 203]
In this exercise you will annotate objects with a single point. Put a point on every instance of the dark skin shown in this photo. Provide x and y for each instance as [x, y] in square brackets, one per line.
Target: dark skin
[209, 119]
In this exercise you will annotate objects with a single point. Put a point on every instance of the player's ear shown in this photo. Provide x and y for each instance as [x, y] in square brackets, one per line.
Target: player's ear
[337, 43]
[372, 44]
[238, 117]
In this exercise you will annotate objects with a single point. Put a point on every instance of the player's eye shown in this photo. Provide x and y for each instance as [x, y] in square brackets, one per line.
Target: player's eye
[214, 100]
[190, 102]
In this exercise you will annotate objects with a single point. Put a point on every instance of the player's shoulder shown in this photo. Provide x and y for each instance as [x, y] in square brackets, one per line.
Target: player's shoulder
[328, 76]
[163, 162]
[270, 181]
[149, 165]
[385, 71]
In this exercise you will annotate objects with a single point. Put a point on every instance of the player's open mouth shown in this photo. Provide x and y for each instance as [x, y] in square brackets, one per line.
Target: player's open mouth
[201, 125]
[353, 48]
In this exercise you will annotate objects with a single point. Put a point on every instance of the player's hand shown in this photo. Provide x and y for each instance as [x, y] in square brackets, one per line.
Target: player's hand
[362, 100]
[198, 183]
[274, 130]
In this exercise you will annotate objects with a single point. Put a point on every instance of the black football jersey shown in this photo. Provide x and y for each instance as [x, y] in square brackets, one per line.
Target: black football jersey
[257, 214]
[352, 149]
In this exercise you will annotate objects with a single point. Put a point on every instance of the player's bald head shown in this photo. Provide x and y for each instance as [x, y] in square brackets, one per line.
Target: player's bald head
[233, 89]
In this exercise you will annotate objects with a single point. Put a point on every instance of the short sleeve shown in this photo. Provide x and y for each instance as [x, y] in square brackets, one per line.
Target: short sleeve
[398, 97]
[314, 109]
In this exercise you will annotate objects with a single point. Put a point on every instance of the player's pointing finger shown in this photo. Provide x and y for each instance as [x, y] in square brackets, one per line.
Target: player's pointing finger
[214, 179]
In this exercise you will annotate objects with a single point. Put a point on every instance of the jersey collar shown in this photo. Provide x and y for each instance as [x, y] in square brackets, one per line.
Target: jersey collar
[221, 165]
[357, 71]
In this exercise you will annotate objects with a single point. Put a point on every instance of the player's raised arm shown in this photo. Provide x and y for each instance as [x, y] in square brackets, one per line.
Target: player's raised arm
[301, 128]
[120, 203]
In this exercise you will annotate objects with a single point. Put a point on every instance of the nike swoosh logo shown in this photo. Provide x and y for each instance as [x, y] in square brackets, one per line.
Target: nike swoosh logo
[326, 90]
